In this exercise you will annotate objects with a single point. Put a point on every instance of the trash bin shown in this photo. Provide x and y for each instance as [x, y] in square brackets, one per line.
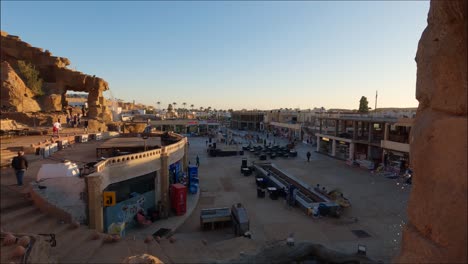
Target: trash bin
[246, 171]
[244, 162]
[260, 193]
[259, 182]
[273, 193]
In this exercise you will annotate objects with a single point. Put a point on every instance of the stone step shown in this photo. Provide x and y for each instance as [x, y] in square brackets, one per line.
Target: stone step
[15, 148]
[84, 243]
[45, 224]
[66, 237]
[6, 157]
[29, 223]
[8, 205]
[18, 214]
[111, 252]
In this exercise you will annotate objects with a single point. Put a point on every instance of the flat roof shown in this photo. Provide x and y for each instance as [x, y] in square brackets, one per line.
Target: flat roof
[130, 142]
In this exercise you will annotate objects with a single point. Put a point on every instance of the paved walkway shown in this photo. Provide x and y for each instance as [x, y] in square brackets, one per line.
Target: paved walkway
[172, 223]
[378, 203]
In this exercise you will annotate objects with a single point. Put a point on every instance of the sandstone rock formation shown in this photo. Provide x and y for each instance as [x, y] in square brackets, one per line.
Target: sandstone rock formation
[437, 211]
[142, 259]
[58, 79]
[14, 93]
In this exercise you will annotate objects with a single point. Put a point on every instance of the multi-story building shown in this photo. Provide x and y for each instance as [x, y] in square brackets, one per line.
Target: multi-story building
[369, 138]
[248, 120]
[381, 136]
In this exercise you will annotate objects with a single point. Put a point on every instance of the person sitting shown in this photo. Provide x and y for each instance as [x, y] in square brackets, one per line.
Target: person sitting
[324, 191]
[153, 214]
[141, 219]
[317, 188]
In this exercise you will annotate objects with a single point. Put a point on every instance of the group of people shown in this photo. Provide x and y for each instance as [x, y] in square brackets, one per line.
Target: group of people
[75, 120]
[84, 110]
[57, 126]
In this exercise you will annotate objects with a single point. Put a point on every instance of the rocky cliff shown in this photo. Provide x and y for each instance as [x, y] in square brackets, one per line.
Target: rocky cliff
[437, 211]
[15, 94]
[58, 79]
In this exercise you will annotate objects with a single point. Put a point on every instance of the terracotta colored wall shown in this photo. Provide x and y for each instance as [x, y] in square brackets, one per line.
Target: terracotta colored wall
[437, 209]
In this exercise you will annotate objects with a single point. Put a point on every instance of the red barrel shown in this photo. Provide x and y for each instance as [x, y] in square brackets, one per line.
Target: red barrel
[179, 198]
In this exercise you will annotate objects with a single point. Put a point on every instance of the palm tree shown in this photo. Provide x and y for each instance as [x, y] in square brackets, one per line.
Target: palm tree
[185, 112]
[192, 106]
[174, 104]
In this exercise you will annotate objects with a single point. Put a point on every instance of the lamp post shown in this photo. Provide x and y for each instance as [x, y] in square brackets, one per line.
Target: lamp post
[145, 137]
[34, 119]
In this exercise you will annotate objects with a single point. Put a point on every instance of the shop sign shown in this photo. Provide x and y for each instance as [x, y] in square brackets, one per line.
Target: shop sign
[109, 198]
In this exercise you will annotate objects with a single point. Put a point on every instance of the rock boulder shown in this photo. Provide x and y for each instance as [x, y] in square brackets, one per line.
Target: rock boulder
[437, 212]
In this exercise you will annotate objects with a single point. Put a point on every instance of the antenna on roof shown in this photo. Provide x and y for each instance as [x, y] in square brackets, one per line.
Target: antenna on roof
[375, 108]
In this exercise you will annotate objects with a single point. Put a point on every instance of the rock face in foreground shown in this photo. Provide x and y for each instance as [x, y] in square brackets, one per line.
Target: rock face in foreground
[437, 211]
[301, 252]
[58, 79]
[142, 259]
[14, 92]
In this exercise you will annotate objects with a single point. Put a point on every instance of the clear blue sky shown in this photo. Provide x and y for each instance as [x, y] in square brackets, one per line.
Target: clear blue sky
[235, 54]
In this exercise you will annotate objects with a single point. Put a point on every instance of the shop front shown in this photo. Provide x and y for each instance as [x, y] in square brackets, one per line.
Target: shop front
[395, 161]
[375, 154]
[325, 145]
[360, 151]
[342, 150]
[130, 197]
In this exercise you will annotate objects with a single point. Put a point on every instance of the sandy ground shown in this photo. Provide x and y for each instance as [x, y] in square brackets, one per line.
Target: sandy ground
[378, 203]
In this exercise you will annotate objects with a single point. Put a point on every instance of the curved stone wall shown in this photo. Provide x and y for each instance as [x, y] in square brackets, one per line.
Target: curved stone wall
[126, 167]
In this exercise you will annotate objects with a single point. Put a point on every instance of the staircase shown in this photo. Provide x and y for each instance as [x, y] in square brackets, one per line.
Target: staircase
[19, 215]
[6, 156]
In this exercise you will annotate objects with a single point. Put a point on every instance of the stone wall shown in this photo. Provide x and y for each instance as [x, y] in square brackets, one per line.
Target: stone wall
[437, 209]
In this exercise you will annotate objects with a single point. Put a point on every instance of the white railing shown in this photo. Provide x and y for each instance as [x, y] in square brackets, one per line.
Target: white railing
[402, 147]
[153, 154]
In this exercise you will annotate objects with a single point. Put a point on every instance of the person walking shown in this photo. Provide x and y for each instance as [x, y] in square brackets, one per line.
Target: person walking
[308, 156]
[198, 161]
[20, 165]
[56, 127]
[85, 125]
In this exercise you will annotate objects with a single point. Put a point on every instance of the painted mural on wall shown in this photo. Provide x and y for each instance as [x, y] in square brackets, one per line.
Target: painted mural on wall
[128, 212]
[125, 211]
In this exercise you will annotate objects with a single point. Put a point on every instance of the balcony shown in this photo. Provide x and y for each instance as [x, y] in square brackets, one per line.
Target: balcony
[397, 146]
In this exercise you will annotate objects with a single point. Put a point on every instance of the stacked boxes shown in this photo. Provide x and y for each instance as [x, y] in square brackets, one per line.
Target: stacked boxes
[81, 138]
[62, 144]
